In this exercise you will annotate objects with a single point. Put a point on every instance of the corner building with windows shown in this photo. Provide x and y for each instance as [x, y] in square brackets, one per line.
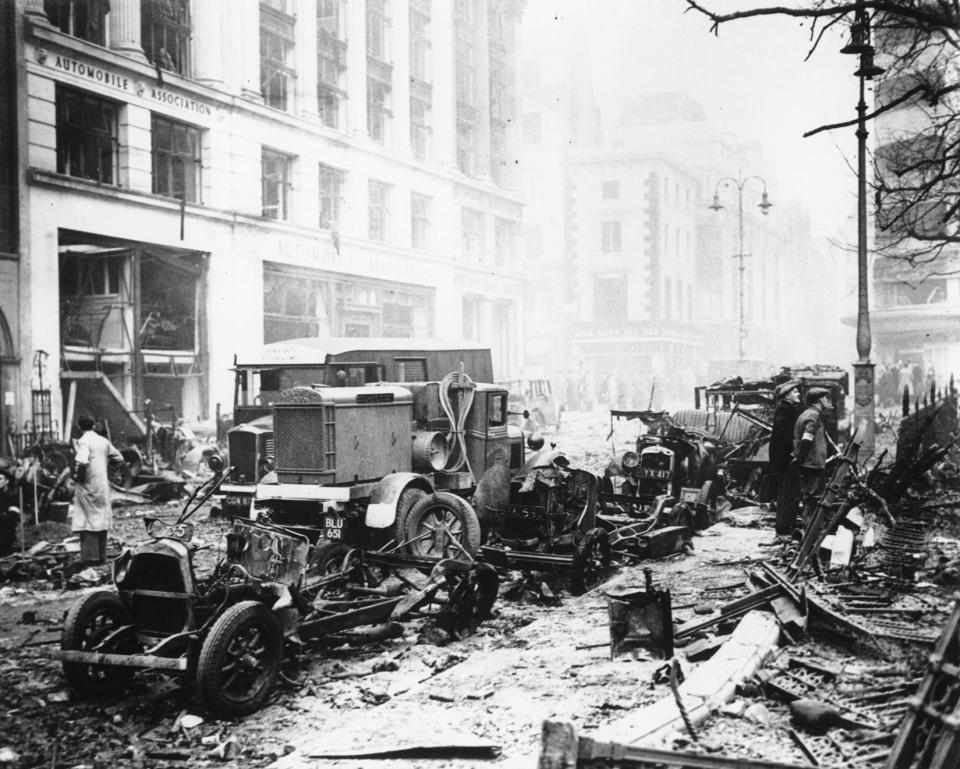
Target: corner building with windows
[185, 180]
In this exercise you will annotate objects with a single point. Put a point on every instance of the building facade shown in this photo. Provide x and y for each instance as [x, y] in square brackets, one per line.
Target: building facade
[653, 279]
[915, 286]
[198, 177]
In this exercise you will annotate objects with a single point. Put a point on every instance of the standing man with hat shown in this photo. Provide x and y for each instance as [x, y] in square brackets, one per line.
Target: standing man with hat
[781, 452]
[90, 511]
[810, 449]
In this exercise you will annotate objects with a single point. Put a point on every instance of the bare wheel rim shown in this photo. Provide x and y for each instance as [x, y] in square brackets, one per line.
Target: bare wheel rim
[94, 631]
[593, 564]
[440, 533]
[247, 662]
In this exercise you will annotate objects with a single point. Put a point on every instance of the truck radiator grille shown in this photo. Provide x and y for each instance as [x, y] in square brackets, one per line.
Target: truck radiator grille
[243, 455]
[305, 439]
[153, 613]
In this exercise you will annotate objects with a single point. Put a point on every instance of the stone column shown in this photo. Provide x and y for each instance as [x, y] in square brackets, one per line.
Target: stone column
[125, 28]
[400, 47]
[356, 27]
[444, 108]
[33, 10]
[248, 25]
[483, 90]
[207, 44]
[305, 56]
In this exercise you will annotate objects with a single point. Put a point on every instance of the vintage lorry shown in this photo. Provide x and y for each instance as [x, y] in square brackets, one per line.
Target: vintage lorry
[261, 376]
[421, 464]
[433, 470]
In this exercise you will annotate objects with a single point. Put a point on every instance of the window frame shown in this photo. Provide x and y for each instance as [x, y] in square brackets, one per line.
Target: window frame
[69, 15]
[277, 74]
[419, 221]
[420, 129]
[378, 29]
[611, 236]
[284, 186]
[378, 109]
[331, 61]
[466, 145]
[504, 241]
[85, 134]
[330, 196]
[177, 27]
[86, 276]
[195, 162]
[420, 45]
[472, 224]
[378, 210]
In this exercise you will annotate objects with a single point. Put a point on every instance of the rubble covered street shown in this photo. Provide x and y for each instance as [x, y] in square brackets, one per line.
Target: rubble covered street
[804, 671]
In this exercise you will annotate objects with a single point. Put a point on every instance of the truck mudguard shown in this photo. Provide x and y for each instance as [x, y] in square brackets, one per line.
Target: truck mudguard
[382, 509]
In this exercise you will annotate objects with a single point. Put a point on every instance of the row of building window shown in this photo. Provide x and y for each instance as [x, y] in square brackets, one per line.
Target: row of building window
[610, 300]
[166, 33]
[88, 148]
[166, 39]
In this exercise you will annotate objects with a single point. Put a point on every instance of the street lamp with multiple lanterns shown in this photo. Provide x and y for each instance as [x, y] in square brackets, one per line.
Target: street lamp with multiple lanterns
[764, 205]
[863, 369]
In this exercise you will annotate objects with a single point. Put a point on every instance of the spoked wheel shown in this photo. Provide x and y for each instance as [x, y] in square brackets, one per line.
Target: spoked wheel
[407, 500]
[592, 557]
[327, 562]
[470, 601]
[89, 621]
[240, 659]
[442, 525]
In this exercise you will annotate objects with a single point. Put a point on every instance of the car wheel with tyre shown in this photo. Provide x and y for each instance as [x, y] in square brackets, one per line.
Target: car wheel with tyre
[408, 498]
[89, 621]
[240, 659]
[442, 525]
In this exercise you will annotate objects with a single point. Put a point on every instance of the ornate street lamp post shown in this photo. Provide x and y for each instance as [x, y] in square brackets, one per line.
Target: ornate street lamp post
[863, 369]
[765, 205]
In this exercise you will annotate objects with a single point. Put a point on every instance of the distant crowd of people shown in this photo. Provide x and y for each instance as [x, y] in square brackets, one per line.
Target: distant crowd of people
[893, 378]
[585, 391]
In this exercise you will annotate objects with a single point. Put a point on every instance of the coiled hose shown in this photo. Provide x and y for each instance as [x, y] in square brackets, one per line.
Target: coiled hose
[457, 414]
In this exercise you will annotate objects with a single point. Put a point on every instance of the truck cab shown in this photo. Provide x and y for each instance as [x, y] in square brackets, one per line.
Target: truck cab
[261, 377]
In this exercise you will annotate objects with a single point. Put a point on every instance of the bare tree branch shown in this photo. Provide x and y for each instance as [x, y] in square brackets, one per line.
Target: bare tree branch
[916, 170]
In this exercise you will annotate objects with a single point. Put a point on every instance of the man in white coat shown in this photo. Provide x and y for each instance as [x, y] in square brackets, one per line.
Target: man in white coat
[90, 512]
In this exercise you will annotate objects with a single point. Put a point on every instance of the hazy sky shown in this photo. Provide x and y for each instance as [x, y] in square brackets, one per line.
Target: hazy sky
[752, 81]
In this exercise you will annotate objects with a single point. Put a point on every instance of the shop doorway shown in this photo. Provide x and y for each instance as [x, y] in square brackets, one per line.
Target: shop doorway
[132, 330]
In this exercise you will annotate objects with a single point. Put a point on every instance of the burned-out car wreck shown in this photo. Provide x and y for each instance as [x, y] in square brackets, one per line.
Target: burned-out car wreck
[271, 592]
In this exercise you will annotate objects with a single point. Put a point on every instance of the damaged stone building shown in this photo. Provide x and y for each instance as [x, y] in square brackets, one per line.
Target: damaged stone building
[186, 180]
[630, 269]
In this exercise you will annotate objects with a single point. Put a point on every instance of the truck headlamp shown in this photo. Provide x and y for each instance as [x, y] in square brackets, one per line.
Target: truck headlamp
[630, 460]
[215, 463]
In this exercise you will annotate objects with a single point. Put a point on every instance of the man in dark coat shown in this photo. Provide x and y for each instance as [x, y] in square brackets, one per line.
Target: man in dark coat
[781, 451]
[810, 448]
